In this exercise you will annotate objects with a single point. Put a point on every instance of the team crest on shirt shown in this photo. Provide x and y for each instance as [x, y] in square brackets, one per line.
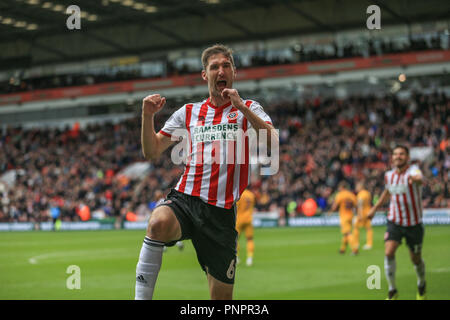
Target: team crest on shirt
[232, 115]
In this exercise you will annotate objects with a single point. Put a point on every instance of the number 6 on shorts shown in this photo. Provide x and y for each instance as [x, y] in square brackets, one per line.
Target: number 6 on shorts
[230, 271]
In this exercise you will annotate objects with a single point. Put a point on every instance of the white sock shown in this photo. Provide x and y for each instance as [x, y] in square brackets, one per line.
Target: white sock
[420, 271]
[389, 270]
[147, 269]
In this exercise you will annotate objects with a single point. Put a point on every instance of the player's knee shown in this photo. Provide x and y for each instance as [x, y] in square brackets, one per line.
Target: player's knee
[160, 228]
[416, 258]
[416, 261]
[390, 254]
[155, 229]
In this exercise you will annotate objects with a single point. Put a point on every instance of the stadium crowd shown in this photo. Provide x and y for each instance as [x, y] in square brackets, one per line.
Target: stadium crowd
[322, 142]
[259, 57]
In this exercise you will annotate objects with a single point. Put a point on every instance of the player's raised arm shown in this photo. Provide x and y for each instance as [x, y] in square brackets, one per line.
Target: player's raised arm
[153, 144]
[256, 122]
[416, 177]
[383, 198]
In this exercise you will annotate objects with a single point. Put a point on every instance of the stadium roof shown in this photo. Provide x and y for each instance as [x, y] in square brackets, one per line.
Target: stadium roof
[34, 32]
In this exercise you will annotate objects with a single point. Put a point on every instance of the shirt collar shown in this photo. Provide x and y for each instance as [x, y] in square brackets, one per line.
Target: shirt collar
[209, 103]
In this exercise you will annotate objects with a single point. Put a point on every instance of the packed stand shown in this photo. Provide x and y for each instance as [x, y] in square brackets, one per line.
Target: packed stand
[322, 142]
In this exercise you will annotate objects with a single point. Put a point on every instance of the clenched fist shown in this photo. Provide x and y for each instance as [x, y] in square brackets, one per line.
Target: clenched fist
[234, 97]
[152, 104]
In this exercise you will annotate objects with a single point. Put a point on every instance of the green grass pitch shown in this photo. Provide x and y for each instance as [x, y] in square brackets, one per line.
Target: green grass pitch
[289, 264]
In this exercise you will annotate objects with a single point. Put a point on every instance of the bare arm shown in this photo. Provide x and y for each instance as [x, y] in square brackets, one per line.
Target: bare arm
[334, 206]
[384, 196]
[256, 122]
[153, 144]
[418, 178]
[259, 124]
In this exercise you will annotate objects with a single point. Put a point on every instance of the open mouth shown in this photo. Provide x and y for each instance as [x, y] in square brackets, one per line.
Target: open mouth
[221, 84]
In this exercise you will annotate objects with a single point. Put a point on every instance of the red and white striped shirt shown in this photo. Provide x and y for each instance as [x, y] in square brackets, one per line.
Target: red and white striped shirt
[405, 208]
[210, 131]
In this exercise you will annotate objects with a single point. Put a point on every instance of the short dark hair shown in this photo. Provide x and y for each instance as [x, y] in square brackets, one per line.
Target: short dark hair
[215, 49]
[400, 146]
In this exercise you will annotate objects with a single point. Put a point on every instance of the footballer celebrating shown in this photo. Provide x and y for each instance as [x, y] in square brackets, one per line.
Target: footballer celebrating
[201, 206]
[404, 220]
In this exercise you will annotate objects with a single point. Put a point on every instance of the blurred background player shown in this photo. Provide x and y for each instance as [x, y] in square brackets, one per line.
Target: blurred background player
[244, 223]
[403, 187]
[363, 205]
[346, 202]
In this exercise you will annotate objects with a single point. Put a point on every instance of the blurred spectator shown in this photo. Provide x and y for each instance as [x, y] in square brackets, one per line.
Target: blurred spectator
[323, 142]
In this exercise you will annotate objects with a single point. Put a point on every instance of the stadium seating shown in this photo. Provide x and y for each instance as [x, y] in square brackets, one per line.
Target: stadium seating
[368, 47]
[323, 141]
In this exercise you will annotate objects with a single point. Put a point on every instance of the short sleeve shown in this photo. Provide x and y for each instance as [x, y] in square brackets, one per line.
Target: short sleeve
[415, 171]
[176, 121]
[259, 111]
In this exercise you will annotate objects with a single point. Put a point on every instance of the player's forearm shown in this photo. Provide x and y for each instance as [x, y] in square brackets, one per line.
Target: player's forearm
[333, 207]
[261, 127]
[417, 179]
[149, 140]
[383, 198]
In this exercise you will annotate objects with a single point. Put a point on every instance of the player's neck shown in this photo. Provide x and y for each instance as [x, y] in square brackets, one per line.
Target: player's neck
[217, 101]
[402, 168]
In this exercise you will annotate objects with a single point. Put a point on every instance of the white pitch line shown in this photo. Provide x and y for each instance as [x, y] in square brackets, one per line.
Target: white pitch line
[441, 270]
[116, 253]
[34, 260]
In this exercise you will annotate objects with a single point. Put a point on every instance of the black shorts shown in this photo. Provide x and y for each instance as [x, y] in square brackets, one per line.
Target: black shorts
[212, 231]
[414, 235]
